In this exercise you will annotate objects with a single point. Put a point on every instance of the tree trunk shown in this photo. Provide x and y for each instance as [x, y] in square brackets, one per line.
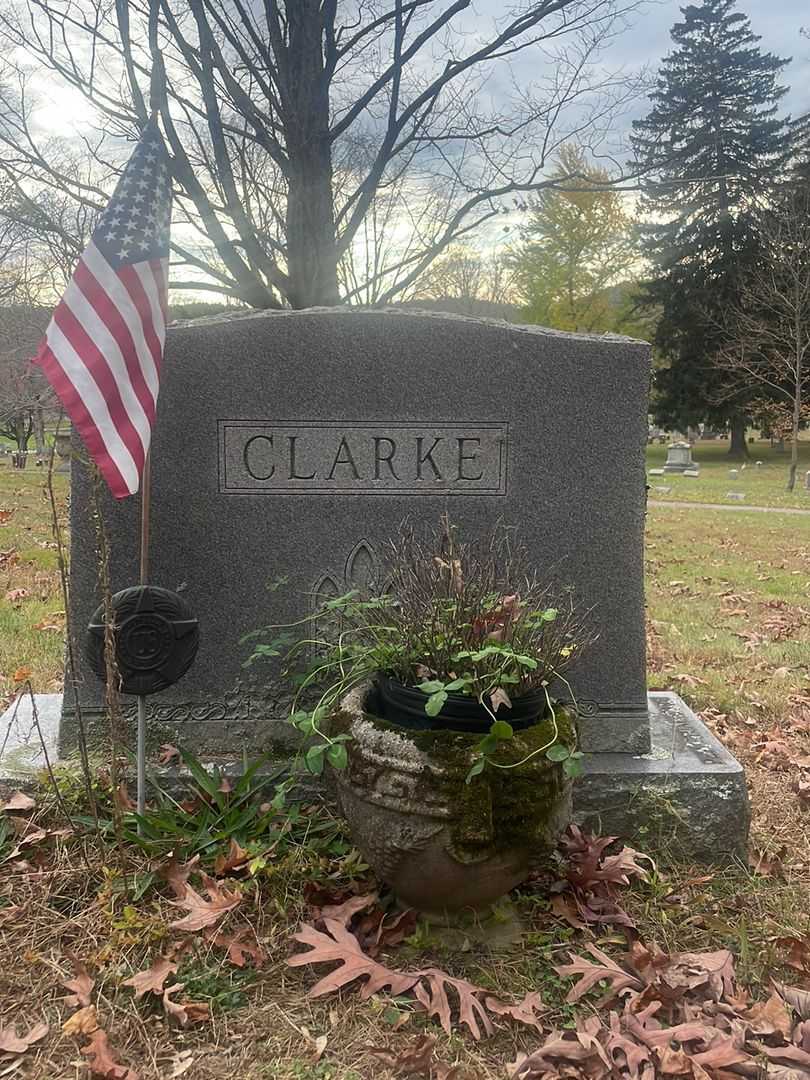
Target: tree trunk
[794, 428]
[39, 432]
[311, 247]
[738, 448]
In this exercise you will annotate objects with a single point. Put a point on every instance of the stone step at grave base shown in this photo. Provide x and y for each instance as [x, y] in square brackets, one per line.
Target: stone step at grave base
[685, 800]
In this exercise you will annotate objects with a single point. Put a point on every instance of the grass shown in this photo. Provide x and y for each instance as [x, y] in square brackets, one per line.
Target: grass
[763, 486]
[31, 609]
[729, 628]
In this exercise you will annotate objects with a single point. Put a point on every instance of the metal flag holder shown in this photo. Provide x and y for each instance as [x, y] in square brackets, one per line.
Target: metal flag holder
[156, 639]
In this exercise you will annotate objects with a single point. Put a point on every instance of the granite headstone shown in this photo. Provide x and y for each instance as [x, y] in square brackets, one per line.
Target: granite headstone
[292, 445]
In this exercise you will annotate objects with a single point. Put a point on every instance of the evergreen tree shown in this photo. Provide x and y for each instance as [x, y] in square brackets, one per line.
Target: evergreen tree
[712, 142]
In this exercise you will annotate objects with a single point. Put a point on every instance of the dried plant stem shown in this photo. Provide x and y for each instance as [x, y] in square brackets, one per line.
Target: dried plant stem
[112, 680]
[71, 677]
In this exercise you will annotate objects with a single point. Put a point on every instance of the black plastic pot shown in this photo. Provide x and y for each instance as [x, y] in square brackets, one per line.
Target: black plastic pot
[405, 706]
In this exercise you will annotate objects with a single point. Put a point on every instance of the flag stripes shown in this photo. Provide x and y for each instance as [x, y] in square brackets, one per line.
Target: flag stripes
[103, 349]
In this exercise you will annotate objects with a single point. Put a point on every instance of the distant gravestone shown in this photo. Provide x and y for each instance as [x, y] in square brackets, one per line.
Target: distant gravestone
[807, 480]
[679, 458]
[733, 473]
[291, 446]
[737, 496]
[656, 472]
[691, 472]
[661, 490]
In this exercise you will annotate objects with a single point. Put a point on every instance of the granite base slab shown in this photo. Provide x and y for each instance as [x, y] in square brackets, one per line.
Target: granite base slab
[684, 800]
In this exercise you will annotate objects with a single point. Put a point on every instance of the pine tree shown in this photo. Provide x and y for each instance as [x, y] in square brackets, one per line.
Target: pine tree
[712, 142]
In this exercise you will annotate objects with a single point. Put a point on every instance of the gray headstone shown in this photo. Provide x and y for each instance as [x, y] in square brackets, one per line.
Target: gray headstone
[661, 490]
[807, 479]
[679, 457]
[733, 473]
[656, 472]
[293, 444]
[691, 472]
[738, 496]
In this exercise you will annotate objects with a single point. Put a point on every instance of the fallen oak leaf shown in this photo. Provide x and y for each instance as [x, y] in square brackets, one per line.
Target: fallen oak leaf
[240, 946]
[432, 994]
[100, 1059]
[416, 1059]
[12, 1043]
[345, 912]
[21, 674]
[168, 753]
[81, 986]
[525, 1012]
[799, 1000]
[83, 1022]
[592, 974]
[185, 1013]
[177, 874]
[153, 978]
[337, 944]
[18, 801]
[770, 1017]
[236, 858]
[202, 913]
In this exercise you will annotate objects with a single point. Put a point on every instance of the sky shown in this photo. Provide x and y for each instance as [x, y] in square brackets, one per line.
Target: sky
[647, 40]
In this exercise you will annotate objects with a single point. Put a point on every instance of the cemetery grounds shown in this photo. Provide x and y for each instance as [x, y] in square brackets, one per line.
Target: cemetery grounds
[729, 629]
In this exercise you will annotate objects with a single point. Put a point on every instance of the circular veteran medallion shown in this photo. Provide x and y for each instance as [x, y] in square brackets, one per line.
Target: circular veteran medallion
[156, 639]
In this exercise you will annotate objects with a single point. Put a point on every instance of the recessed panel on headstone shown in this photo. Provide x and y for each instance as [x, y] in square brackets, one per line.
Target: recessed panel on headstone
[290, 446]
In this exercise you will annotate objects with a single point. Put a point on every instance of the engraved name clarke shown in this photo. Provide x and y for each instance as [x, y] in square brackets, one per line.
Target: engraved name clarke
[332, 457]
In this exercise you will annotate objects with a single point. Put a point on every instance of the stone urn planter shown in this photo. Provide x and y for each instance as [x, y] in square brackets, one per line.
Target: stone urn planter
[444, 846]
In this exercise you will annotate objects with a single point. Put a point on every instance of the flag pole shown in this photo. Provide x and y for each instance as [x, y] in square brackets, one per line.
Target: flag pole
[146, 494]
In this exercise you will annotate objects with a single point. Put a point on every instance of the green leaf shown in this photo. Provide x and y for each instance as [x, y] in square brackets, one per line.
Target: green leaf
[337, 757]
[435, 703]
[501, 730]
[572, 767]
[558, 752]
[458, 684]
[313, 759]
[477, 768]
[432, 686]
[488, 744]
[526, 661]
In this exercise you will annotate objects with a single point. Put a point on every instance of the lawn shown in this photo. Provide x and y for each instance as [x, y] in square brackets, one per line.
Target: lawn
[762, 485]
[729, 628]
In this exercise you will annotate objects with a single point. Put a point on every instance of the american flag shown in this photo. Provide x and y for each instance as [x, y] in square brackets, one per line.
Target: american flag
[103, 348]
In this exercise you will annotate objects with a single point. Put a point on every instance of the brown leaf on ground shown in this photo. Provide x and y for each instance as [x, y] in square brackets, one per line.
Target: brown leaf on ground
[525, 1012]
[83, 1022]
[241, 946]
[431, 992]
[21, 674]
[202, 913]
[18, 801]
[122, 798]
[592, 974]
[10, 914]
[81, 986]
[235, 858]
[337, 944]
[177, 874]
[414, 1060]
[571, 1050]
[770, 1017]
[185, 1013]
[12, 1043]
[101, 1061]
[377, 931]
[345, 912]
[798, 952]
[799, 1000]
[153, 978]
[167, 754]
